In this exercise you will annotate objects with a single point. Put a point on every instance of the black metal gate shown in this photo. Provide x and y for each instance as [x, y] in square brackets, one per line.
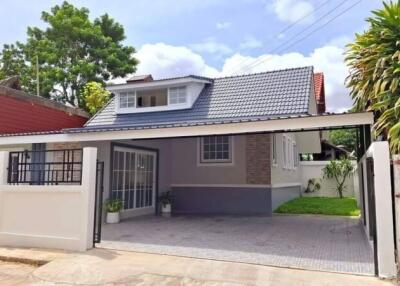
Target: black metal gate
[371, 208]
[98, 203]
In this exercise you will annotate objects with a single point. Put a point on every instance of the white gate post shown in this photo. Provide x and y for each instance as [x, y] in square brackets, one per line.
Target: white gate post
[89, 170]
[3, 167]
[383, 209]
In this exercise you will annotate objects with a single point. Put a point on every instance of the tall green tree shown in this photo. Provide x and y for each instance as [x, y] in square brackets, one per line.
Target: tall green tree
[72, 51]
[344, 137]
[374, 62]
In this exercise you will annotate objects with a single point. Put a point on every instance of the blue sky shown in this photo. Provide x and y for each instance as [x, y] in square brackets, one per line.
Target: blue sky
[222, 37]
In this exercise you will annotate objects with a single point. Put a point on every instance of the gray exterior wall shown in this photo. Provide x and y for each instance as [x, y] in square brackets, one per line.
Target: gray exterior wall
[164, 160]
[221, 200]
[212, 188]
[186, 169]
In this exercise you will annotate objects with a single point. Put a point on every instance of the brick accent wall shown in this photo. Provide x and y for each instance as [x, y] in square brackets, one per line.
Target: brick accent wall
[258, 159]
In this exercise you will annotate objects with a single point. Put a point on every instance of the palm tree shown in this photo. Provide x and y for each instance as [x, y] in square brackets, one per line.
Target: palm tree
[374, 62]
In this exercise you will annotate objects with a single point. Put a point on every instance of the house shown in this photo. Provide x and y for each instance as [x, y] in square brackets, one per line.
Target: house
[21, 112]
[319, 89]
[226, 145]
[227, 174]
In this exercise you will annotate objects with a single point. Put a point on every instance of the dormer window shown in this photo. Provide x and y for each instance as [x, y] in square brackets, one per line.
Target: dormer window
[177, 95]
[151, 98]
[126, 100]
[157, 95]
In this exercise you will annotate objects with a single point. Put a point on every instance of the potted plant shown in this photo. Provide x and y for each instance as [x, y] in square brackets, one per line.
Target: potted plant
[165, 201]
[113, 207]
[313, 185]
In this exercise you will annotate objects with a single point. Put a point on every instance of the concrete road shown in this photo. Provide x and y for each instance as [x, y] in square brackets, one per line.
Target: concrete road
[109, 267]
[15, 273]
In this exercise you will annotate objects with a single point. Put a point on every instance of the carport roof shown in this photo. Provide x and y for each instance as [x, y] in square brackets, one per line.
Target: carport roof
[231, 127]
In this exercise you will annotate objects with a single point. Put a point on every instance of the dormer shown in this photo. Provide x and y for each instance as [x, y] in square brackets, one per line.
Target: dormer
[143, 94]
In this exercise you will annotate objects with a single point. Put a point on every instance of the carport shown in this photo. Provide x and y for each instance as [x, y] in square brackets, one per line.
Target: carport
[276, 240]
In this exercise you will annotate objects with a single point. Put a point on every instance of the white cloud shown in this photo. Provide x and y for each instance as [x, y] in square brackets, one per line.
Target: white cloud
[341, 41]
[223, 25]
[162, 60]
[250, 43]
[293, 10]
[211, 46]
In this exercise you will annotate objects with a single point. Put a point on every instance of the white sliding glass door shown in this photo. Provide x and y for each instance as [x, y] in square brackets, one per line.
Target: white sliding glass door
[134, 177]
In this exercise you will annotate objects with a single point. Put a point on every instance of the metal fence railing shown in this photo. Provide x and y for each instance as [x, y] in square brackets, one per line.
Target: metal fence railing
[48, 167]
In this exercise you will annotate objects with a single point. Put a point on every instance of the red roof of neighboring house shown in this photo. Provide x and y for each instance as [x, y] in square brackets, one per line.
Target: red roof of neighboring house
[21, 112]
[319, 89]
[140, 78]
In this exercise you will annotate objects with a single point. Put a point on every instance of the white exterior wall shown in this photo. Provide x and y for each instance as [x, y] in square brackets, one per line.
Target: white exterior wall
[48, 216]
[379, 151]
[313, 169]
[281, 176]
[285, 183]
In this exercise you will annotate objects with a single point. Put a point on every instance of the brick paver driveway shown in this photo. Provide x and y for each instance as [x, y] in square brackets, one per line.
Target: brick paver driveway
[308, 242]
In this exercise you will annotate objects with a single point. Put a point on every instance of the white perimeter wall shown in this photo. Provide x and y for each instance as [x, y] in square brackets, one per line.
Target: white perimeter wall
[313, 169]
[48, 216]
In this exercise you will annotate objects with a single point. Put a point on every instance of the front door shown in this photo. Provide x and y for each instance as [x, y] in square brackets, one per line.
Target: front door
[134, 178]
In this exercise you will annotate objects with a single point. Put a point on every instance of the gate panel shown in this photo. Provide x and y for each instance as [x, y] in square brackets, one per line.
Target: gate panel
[98, 207]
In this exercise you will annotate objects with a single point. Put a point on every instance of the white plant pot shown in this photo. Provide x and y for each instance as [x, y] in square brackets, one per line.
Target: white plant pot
[166, 209]
[112, 217]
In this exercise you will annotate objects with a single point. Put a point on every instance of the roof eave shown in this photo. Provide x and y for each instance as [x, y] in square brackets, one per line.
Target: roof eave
[156, 83]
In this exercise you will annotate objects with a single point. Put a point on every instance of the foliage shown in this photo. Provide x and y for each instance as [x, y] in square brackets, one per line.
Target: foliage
[165, 198]
[72, 51]
[339, 170]
[344, 137]
[95, 96]
[114, 205]
[321, 205]
[313, 185]
[374, 80]
[307, 157]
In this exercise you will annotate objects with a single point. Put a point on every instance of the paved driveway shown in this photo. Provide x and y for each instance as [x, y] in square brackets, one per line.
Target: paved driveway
[308, 242]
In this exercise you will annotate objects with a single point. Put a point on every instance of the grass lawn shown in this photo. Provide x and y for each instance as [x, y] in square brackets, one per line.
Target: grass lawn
[320, 205]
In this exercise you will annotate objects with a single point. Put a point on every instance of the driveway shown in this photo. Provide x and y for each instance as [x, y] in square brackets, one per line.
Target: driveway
[324, 243]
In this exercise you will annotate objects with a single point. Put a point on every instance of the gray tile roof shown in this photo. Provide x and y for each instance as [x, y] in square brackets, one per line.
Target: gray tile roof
[228, 99]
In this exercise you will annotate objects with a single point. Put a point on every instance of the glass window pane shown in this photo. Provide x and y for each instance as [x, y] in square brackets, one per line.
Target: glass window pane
[215, 148]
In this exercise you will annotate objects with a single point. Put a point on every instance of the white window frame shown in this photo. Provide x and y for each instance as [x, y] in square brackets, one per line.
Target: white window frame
[125, 192]
[284, 153]
[289, 150]
[214, 162]
[296, 156]
[170, 106]
[127, 94]
[274, 157]
[179, 95]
